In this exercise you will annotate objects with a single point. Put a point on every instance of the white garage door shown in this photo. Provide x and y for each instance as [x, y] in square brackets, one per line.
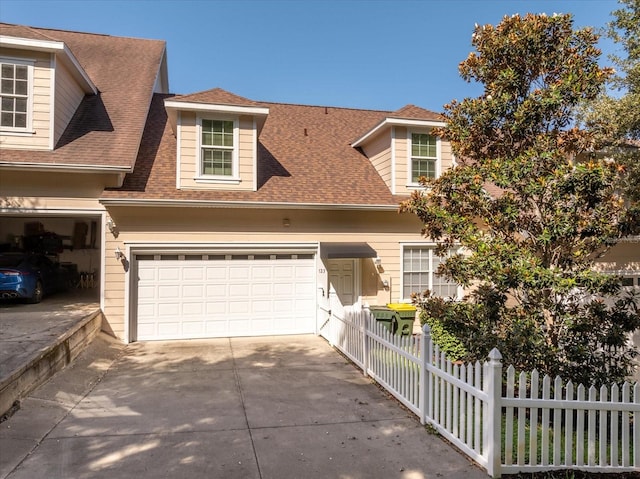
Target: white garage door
[204, 296]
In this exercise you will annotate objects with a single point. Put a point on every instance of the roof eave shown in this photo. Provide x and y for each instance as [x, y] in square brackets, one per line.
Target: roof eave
[390, 121]
[243, 204]
[173, 106]
[59, 49]
[58, 167]
[217, 108]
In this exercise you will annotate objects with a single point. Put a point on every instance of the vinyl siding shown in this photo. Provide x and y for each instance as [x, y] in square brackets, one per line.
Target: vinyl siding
[36, 187]
[68, 96]
[39, 138]
[382, 231]
[401, 160]
[378, 150]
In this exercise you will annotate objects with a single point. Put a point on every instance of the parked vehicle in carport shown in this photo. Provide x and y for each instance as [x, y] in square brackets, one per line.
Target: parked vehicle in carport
[31, 276]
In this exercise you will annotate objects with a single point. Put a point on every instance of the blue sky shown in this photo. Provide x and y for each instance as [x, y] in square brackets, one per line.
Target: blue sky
[351, 53]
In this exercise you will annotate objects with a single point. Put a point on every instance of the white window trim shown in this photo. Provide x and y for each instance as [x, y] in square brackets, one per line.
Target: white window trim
[438, 158]
[28, 130]
[432, 245]
[235, 165]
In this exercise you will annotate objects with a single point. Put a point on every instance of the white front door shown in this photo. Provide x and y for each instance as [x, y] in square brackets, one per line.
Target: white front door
[343, 292]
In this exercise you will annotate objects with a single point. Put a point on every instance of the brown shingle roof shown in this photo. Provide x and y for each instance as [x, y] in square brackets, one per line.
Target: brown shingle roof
[304, 157]
[106, 129]
[412, 112]
[216, 96]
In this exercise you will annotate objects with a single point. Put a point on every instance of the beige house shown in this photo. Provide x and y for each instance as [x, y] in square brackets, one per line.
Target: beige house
[211, 215]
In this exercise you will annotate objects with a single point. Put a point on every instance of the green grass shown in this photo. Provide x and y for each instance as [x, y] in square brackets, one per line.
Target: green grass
[550, 431]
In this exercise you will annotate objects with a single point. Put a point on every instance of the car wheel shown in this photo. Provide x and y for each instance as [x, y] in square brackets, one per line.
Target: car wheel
[37, 293]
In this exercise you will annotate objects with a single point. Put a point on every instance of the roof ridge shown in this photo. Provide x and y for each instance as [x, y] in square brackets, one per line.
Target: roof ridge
[39, 30]
[373, 110]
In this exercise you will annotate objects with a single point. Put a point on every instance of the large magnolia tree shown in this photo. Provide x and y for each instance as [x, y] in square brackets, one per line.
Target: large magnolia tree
[531, 206]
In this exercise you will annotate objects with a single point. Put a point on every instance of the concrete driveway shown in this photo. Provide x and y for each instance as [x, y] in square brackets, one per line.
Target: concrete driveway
[265, 408]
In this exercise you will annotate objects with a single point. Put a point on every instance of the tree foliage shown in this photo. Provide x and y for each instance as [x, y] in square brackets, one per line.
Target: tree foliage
[614, 116]
[531, 207]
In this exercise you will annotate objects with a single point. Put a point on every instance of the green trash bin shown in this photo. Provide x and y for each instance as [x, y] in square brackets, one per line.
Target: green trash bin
[386, 316]
[406, 317]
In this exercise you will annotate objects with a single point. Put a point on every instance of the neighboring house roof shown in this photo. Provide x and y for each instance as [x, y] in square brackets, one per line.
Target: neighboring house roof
[304, 158]
[106, 129]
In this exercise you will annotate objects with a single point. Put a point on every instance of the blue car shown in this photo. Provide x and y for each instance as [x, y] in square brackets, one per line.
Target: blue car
[30, 276]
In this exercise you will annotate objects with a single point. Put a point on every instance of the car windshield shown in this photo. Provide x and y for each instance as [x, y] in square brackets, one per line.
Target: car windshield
[10, 260]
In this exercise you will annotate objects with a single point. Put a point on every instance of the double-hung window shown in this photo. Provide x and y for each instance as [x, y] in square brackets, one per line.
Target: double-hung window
[217, 148]
[14, 95]
[419, 266]
[424, 156]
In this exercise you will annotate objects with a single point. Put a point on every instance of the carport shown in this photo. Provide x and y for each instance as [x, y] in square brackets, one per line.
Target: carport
[71, 238]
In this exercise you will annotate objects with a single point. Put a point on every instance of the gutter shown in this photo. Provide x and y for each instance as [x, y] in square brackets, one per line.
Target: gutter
[65, 167]
[241, 204]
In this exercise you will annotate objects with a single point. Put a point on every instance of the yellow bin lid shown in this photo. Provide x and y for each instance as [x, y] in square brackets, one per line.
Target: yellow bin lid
[401, 306]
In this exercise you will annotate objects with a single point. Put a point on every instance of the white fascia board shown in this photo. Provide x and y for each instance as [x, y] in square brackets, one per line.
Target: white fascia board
[71, 211]
[398, 122]
[59, 48]
[208, 107]
[78, 72]
[65, 168]
[241, 204]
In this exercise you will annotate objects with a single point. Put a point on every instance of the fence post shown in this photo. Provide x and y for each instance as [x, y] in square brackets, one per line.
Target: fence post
[365, 341]
[425, 359]
[493, 418]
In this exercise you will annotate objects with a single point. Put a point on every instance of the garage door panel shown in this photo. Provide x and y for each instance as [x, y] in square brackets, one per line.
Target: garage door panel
[239, 290]
[216, 291]
[169, 273]
[168, 311]
[237, 272]
[192, 328]
[261, 307]
[193, 309]
[193, 274]
[168, 330]
[147, 293]
[261, 289]
[147, 274]
[305, 289]
[228, 296]
[168, 291]
[216, 272]
[236, 307]
[261, 272]
[192, 291]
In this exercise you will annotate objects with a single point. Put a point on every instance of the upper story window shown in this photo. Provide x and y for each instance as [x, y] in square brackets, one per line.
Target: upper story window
[15, 95]
[424, 156]
[419, 266]
[218, 148]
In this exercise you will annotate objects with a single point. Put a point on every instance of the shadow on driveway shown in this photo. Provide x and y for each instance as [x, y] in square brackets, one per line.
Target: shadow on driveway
[267, 408]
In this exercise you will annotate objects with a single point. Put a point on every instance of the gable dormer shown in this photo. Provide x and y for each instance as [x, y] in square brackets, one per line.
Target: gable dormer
[41, 86]
[217, 139]
[402, 148]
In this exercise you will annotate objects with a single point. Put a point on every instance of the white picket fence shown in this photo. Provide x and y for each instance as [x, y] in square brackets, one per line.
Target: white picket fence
[536, 426]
